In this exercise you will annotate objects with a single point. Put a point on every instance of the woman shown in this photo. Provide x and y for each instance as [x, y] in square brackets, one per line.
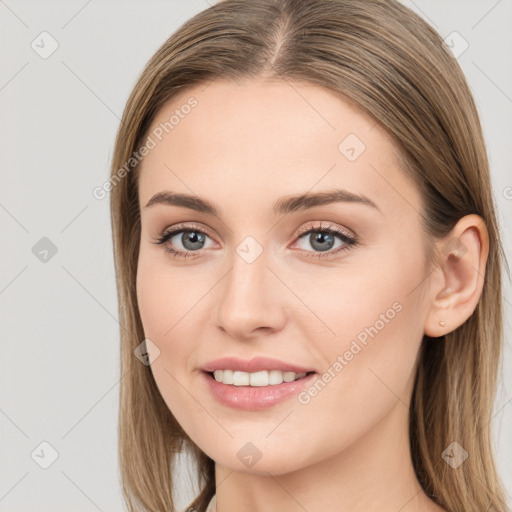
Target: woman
[308, 265]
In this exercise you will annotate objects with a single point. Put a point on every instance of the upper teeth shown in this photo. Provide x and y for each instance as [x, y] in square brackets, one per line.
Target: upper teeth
[262, 378]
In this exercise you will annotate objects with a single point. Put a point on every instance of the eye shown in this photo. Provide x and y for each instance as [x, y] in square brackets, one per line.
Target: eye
[191, 239]
[323, 240]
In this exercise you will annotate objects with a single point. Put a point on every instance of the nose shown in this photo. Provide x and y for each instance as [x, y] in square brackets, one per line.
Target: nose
[251, 300]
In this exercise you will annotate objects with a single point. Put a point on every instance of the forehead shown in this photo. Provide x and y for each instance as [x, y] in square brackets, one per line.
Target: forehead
[234, 140]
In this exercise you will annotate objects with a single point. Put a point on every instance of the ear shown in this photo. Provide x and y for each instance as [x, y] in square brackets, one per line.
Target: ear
[456, 284]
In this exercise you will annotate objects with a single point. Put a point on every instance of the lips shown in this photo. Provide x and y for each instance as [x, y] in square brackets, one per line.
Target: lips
[250, 398]
[254, 365]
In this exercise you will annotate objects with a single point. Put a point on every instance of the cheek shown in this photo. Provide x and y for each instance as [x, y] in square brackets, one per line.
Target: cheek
[161, 307]
[164, 294]
[152, 297]
[171, 311]
[375, 296]
[376, 321]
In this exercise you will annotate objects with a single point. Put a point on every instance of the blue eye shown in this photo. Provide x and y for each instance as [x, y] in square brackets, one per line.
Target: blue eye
[191, 239]
[321, 238]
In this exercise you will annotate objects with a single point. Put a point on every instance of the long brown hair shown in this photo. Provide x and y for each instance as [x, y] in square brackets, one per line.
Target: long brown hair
[390, 63]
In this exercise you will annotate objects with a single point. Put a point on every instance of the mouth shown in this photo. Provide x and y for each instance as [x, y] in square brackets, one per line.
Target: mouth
[263, 378]
[255, 391]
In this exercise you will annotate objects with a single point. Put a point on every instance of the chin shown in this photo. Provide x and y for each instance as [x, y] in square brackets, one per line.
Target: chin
[253, 459]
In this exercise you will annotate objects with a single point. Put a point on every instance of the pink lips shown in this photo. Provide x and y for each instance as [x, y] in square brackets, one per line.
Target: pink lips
[254, 398]
[254, 365]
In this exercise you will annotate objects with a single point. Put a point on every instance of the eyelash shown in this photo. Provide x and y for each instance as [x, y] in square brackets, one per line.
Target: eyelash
[331, 230]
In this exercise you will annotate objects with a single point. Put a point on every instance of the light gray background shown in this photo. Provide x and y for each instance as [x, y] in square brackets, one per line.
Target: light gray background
[59, 369]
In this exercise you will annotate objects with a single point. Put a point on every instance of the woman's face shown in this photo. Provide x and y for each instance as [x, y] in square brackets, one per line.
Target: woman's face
[265, 156]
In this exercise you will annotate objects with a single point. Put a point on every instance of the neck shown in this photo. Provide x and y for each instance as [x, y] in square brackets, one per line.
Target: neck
[368, 475]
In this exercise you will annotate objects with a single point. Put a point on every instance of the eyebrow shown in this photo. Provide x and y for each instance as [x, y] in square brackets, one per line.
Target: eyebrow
[284, 205]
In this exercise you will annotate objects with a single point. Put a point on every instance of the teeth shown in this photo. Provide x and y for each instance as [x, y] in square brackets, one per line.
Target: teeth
[240, 378]
[275, 377]
[262, 378]
[227, 376]
[288, 376]
[258, 378]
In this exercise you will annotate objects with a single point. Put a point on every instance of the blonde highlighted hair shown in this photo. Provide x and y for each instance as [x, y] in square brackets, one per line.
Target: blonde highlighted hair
[390, 63]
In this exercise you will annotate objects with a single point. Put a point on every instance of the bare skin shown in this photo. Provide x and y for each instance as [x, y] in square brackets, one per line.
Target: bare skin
[243, 147]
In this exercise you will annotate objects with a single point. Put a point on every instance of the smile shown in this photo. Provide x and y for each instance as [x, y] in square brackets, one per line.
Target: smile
[261, 393]
[261, 378]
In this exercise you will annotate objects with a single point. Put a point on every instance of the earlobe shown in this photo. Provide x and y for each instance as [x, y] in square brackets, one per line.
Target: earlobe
[458, 282]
